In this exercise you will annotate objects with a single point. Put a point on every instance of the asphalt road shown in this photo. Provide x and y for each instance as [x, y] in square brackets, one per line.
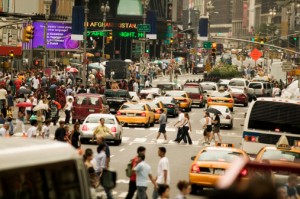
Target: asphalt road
[179, 155]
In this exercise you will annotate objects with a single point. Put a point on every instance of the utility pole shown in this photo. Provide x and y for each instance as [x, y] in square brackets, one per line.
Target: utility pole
[84, 71]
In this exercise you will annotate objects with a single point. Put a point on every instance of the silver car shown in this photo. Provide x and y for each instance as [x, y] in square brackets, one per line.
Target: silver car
[92, 121]
[226, 119]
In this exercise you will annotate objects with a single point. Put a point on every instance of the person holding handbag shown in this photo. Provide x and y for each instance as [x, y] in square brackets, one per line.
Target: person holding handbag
[186, 127]
[207, 128]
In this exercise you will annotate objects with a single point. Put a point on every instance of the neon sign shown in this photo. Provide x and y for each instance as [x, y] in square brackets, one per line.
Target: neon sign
[112, 25]
[117, 34]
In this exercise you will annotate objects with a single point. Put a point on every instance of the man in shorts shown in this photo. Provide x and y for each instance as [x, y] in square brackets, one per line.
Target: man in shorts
[162, 126]
[216, 127]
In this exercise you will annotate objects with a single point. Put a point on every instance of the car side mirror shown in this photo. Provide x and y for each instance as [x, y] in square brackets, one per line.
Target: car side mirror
[193, 157]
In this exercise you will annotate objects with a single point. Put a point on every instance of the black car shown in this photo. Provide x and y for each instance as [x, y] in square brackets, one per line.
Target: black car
[116, 98]
[171, 104]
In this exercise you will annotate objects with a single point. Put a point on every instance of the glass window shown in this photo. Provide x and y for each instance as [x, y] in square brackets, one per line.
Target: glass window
[153, 104]
[281, 155]
[94, 101]
[219, 94]
[220, 156]
[255, 85]
[166, 99]
[236, 83]
[139, 107]
[81, 100]
[210, 87]
[96, 119]
[176, 94]
[41, 182]
[266, 115]
[191, 89]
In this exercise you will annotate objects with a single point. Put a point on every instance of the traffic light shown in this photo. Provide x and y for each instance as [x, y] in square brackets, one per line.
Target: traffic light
[11, 55]
[28, 33]
[213, 49]
[147, 50]
[253, 39]
[109, 37]
[262, 41]
[171, 41]
[295, 38]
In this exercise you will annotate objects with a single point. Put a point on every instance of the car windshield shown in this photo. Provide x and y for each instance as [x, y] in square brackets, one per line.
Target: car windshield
[221, 94]
[166, 99]
[94, 101]
[166, 86]
[219, 156]
[122, 94]
[274, 154]
[255, 85]
[176, 94]
[96, 119]
[191, 89]
[138, 107]
[236, 83]
[153, 104]
[210, 87]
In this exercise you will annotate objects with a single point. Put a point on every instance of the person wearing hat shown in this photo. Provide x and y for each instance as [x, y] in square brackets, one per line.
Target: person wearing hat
[60, 132]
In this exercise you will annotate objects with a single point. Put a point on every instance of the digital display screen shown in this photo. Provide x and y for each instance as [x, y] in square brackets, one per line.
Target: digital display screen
[58, 36]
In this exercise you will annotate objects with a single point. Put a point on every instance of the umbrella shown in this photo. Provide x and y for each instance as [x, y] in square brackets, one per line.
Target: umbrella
[24, 104]
[41, 107]
[72, 70]
[157, 62]
[89, 55]
[166, 61]
[24, 91]
[213, 110]
[128, 60]
[97, 65]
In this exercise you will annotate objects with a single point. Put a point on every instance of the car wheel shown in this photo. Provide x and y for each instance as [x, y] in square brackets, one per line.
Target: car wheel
[147, 125]
[230, 126]
[231, 109]
[118, 142]
[73, 121]
[152, 124]
[83, 141]
[246, 104]
[195, 189]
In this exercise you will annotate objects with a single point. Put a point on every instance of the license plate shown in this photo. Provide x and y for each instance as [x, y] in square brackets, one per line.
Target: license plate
[220, 101]
[219, 171]
[91, 110]
[112, 109]
[130, 114]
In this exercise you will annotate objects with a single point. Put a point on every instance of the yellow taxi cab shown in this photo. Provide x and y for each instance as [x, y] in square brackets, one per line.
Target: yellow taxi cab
[210, 164]
[281, 153]
[222, 98]
[156, 106]
[136, 113]
[185, 102]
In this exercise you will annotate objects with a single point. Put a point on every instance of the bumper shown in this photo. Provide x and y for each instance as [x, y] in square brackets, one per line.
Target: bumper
[184, 105]
[239, 101]
[225, 121]
[208, 180]
[171, 111]
[229, 105]
[133, 120]
[196, 101]
[89, 135]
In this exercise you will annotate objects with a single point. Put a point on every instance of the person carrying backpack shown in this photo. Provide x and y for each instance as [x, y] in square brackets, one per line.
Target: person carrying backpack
[129, 172]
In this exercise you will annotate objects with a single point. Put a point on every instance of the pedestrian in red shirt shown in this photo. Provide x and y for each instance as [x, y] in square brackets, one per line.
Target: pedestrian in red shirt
[132, 181]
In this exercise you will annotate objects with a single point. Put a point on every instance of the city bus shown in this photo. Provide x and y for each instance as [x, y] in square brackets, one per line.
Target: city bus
[269, 118]
[34, 168]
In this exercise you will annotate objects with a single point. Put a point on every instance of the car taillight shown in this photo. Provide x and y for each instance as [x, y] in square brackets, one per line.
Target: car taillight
[200, 96]
[158, 111]
[230, 101]
[209, 100]
[118, 113]
[143, 114]
[170, 106]
[195, 168]
[85, 128]
[227, 117]
[113, 129]
[251, 138]
[185, 100]
[244, 172]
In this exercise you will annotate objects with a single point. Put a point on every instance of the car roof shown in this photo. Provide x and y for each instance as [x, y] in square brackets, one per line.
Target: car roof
[166, 83]
[208, 82]
[101, 115]
[219, 148]
[226, 92]
[242, 79]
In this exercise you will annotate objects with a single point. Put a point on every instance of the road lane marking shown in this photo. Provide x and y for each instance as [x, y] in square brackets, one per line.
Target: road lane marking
[238, 118]
[122, 149]
[140, 140]
[125, 138]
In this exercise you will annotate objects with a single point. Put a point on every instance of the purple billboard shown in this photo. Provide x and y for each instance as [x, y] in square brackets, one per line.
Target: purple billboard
[58, 36]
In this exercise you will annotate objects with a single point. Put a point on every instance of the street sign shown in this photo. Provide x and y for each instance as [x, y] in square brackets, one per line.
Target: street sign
[255, 54]
[9, 37]
[287, 66]
[207, 44]
[144, 28]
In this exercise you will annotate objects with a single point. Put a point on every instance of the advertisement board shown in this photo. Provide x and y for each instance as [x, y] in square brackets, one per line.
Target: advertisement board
[58, 36]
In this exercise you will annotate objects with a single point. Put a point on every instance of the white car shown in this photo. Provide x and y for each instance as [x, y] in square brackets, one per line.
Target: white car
[209, 87]
[134, 96]
[92, 121]
[226, 118]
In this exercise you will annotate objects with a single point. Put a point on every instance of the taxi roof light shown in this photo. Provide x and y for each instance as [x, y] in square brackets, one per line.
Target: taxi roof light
[283, 143]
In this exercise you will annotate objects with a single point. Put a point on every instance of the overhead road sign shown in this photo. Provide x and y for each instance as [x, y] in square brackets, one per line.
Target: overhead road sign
[144, 28]
[287, 66]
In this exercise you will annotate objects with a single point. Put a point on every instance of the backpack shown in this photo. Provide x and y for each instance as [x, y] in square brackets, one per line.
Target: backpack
[128, 169]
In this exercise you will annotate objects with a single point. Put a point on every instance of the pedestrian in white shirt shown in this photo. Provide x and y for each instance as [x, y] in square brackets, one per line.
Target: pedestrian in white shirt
[135, 87]
[180, 120]
[163, 171]
[68, 108]
[3, 94]
[276, 91]
[31, 132]
[45, 130]
[35, 83]
[4, 130]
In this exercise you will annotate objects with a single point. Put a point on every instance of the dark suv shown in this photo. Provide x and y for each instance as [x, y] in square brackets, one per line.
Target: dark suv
[196, 93]
[116, 98]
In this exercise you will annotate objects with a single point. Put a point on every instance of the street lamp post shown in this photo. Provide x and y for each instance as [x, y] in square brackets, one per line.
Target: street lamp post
[104, 10]
[84, 65]
[47, 3]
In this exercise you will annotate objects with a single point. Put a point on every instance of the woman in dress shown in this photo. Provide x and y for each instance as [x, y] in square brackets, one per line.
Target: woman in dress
[87, 158]
[208, 128]
[74, 136]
